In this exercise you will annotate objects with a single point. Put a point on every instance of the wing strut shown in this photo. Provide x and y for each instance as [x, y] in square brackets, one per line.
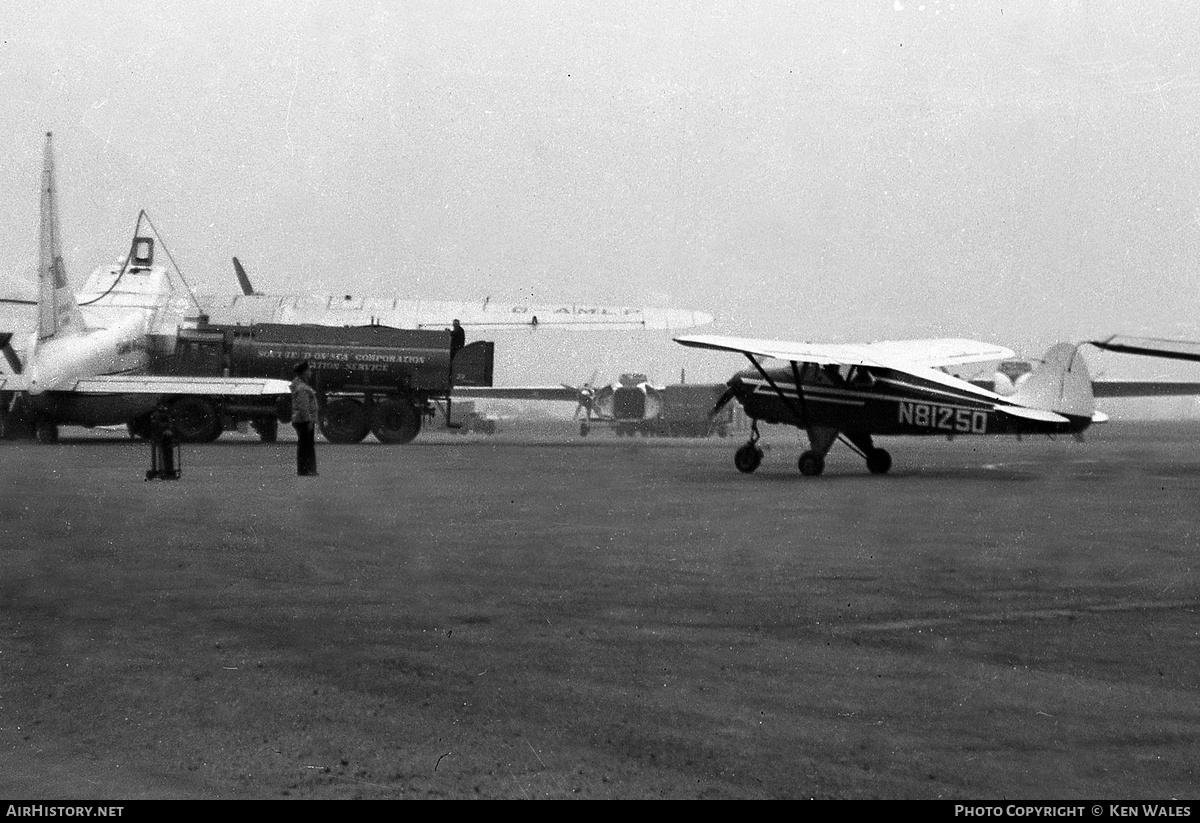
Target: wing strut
[796, 407]
[14, 362]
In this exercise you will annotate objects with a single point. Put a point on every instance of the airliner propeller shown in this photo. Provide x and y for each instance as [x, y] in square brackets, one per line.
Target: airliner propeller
[587, 395]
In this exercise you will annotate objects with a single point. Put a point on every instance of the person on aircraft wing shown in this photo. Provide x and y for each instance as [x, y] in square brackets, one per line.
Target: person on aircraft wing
[304, 421]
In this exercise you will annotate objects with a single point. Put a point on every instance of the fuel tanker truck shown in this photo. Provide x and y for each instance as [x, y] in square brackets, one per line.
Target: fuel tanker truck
[369, 379]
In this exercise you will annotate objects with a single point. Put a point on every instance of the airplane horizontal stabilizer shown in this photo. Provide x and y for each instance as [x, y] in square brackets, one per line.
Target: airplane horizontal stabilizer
[1040, 415]
[13, 382]
[153, 384]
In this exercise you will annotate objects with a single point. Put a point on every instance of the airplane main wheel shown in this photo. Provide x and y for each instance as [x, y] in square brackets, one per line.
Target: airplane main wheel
[46, 432]
[196, 420]
[747, 458]
[267, 428]
[139, 428]
[811, 464]
[878, 461]
[344, 420]
[396, 422]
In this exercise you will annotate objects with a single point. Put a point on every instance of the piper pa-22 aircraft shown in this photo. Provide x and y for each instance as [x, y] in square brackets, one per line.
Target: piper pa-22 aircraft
[853, 392]
[87, 369]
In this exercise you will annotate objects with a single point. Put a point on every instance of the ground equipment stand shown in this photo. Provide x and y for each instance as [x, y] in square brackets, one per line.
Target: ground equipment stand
[166, 461]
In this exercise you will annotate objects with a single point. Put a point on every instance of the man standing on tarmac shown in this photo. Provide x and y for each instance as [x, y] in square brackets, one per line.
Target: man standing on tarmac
[458, 338]
[304, 421]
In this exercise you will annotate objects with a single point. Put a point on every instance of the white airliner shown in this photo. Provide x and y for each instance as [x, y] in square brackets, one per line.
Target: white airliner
[87, 367]
[404, 313]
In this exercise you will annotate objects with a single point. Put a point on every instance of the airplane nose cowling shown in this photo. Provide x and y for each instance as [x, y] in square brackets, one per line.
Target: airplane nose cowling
[736, 388]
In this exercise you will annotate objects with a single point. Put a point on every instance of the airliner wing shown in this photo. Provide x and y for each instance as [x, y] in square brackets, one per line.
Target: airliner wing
[1151, 347]
[350, 310]
[156, 384]
[13, 382]
[905, 355]
[567, 393]
[1144, 388]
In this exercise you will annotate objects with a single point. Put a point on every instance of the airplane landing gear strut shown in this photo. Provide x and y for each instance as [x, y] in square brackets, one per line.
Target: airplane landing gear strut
[749, 456]
[878, 460]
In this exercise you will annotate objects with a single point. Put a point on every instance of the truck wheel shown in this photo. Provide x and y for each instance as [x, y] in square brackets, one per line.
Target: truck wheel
[195, 420]
[344, 420]
[396, 422]
[267, 428]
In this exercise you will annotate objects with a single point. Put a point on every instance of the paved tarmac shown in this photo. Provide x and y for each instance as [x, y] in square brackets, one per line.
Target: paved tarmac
[554, 617]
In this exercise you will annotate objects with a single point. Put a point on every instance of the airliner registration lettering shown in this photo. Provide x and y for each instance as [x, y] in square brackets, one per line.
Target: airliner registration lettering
[944, 418]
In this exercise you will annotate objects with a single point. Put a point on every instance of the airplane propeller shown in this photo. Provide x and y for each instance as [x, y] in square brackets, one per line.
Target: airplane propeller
[587, 395]
[721, 401]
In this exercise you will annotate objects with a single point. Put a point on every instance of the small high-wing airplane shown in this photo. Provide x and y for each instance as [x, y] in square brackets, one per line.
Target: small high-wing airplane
[853, 392]
[87, 367]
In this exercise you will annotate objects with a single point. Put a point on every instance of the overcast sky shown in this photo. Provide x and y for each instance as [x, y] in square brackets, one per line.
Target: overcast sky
[1018, 172]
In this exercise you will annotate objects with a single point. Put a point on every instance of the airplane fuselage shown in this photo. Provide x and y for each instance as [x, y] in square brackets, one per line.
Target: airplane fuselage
[63, 361]
[878, 401]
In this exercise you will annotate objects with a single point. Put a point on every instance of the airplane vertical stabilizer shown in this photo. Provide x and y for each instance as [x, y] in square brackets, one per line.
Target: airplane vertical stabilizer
[57, 311]
[1060, 384]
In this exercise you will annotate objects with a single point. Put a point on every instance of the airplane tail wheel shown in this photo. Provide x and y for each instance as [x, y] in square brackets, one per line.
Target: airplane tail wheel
[811, 464]
[878, 461]
[747, 458]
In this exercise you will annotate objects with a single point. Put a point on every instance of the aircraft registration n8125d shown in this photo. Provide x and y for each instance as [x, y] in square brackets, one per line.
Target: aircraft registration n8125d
[853, 392]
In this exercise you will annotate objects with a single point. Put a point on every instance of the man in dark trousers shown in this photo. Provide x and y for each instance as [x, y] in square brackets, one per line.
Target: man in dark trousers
[304, 421]
[458, 338]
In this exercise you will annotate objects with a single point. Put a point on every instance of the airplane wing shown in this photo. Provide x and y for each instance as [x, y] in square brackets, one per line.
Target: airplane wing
[1144, 388]
[13, 382]
[905, 355]
[918, 358]
[1151, 347]
[155, 384]
[349, 310]
[567, 393]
